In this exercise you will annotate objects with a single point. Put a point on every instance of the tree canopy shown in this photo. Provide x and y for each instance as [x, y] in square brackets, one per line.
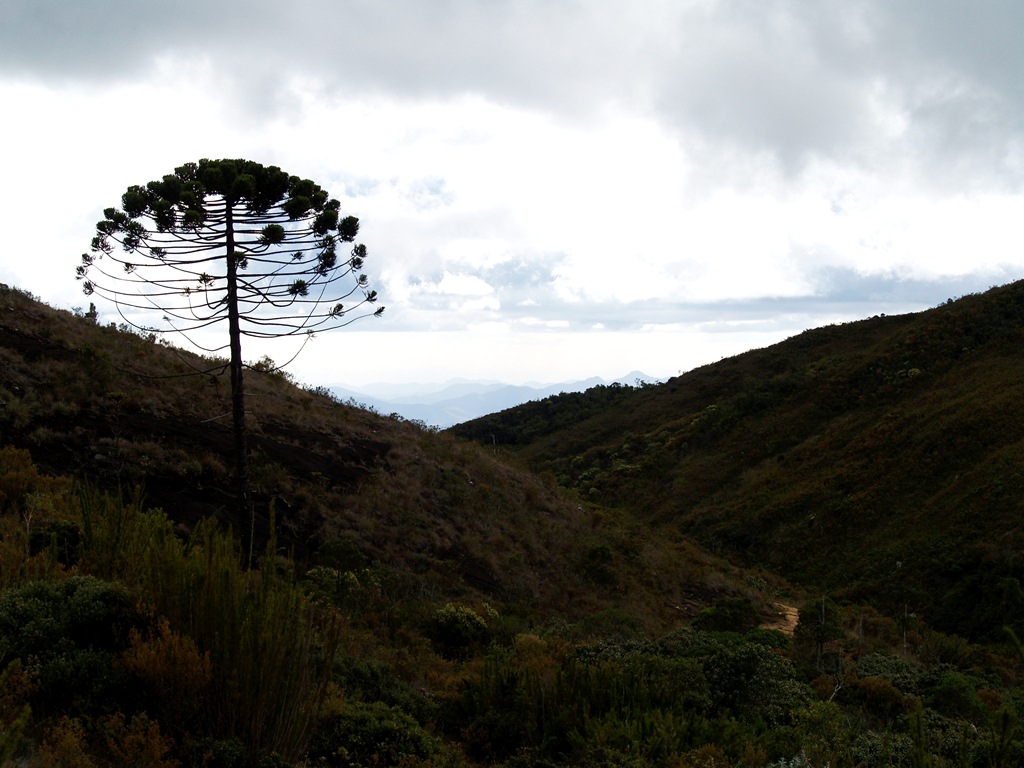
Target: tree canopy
[285, 275]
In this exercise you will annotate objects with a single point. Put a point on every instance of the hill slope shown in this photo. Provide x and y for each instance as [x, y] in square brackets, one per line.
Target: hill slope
[419, 600]
[880, 460]
[121, 410]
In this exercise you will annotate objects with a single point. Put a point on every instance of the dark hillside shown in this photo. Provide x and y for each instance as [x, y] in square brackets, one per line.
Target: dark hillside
[121, 410]
[415, 599]
[880, 460]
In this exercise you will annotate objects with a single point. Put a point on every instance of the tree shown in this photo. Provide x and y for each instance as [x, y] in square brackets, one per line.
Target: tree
[234, 241]
[819, 624]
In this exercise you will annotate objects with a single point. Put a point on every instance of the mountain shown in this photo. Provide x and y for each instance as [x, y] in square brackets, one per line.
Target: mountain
[880, 461]
[444, 405]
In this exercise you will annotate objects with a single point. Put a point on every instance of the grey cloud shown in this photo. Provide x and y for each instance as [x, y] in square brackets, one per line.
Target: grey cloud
[765, 79]
[532, 51]
[792, 80]
[801, 81]
[116, 39]
[838, 293]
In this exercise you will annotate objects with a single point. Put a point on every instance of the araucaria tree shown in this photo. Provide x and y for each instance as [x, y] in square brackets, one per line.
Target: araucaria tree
[230, 241]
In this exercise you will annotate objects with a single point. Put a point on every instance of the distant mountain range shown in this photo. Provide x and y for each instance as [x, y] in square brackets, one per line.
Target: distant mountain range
[459, 400]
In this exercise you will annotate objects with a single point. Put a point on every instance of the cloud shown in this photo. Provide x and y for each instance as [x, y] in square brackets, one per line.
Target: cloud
[551, 167]
[869, 83]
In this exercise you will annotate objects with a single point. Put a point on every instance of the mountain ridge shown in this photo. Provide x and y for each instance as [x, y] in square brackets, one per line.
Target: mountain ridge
[459, 400]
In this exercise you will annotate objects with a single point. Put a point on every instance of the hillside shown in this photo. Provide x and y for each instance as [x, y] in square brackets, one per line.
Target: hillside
[405, 597]
[881, 461]
[121, 410]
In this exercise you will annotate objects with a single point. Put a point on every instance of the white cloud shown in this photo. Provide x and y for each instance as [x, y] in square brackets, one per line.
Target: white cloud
[526, 172]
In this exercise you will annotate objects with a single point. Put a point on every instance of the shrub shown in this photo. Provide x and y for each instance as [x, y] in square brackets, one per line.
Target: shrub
[14, 712]
[455, 630]
[369, 734]
[172, 670]
[65, 745]
[270, 650]
[208, 752]
[904, 675]
[371, 680]
[749, 679]
[68, 635]
[613, 624]
[341, 554]
[20, 479]
[818, 626]
[597, 565]
[824, 732]
[138, 742]
[954, 695]
[879, 698]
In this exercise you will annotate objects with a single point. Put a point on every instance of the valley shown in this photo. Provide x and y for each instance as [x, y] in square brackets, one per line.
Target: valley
[807, 554]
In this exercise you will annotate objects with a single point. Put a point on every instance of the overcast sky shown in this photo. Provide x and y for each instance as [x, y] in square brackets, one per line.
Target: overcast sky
[548, 189]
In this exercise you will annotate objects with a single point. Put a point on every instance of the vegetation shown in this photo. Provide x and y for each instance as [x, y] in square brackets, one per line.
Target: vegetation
[419, 600]
[877, 461]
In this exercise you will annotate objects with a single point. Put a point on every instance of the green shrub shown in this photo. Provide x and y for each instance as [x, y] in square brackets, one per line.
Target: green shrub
[215, 753]
[68, 635]
[613, 624]
[341, 554]
[751, 680]
[824, 731]
[819, 625]
[455, 629]
[371, 680]
[954, 695]
[597, 565]
[14, 713]
[904, 675]
[878, 698]
[369, 734]
[269, 648]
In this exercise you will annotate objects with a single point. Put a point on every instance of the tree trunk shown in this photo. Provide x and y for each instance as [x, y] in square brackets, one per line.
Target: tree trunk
[237, 388]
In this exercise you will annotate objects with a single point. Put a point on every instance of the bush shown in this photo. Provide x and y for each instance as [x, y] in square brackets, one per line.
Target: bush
[371, 680]
[371, 734]
[68, 635]
[14, 712]
[748, 679]
[905, 676]
[879, 698]
[954, 695]
[455, 630]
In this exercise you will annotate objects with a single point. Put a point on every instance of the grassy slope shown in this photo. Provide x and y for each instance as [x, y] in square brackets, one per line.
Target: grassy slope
[458, 521]
[880, 460]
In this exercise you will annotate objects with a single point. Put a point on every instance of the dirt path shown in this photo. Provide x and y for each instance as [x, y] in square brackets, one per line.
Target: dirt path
[785, 620]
